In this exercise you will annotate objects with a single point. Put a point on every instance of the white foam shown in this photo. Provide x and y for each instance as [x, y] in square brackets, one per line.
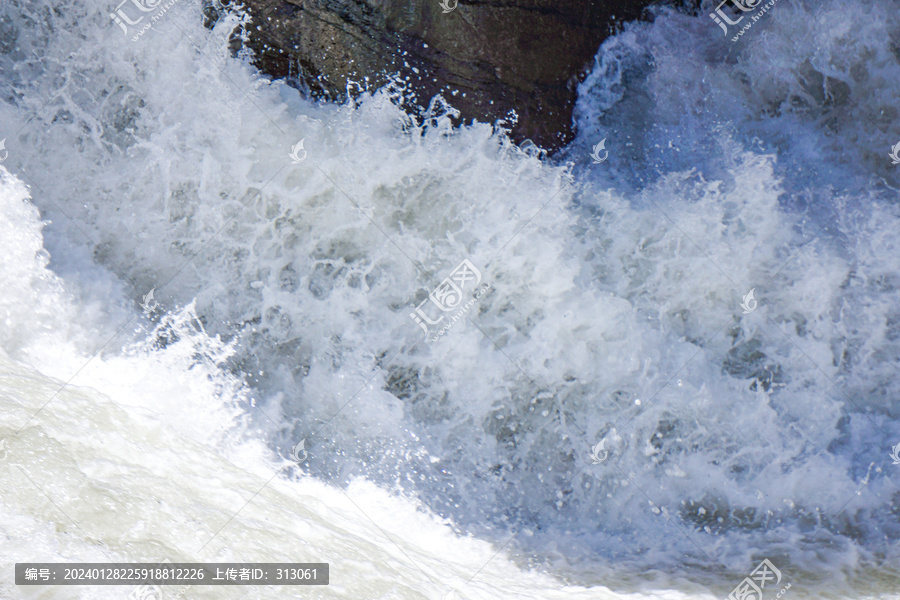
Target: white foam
[613, 285]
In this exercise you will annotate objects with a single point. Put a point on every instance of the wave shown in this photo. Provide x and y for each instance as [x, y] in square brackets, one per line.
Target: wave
[284, 288]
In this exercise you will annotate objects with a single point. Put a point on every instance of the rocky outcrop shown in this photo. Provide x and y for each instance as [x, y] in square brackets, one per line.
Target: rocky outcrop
[487, 57]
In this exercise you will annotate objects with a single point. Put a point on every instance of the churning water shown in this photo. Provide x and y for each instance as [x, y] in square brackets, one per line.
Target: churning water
[282, 294]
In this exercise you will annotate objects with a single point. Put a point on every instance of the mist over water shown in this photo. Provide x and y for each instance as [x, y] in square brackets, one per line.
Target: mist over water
[285, 290]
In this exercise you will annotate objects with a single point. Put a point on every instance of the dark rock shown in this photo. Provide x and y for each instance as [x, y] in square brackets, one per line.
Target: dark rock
[499, 55]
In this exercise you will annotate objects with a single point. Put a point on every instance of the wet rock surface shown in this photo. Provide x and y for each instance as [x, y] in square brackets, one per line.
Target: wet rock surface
[486, 57]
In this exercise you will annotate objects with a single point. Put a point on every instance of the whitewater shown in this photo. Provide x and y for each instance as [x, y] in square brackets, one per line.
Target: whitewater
[274, 400]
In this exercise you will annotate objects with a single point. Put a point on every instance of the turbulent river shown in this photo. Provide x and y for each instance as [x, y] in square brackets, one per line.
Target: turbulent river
[606, 412]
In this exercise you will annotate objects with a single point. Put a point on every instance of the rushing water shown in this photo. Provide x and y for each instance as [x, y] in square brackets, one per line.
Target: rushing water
[282, 295]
